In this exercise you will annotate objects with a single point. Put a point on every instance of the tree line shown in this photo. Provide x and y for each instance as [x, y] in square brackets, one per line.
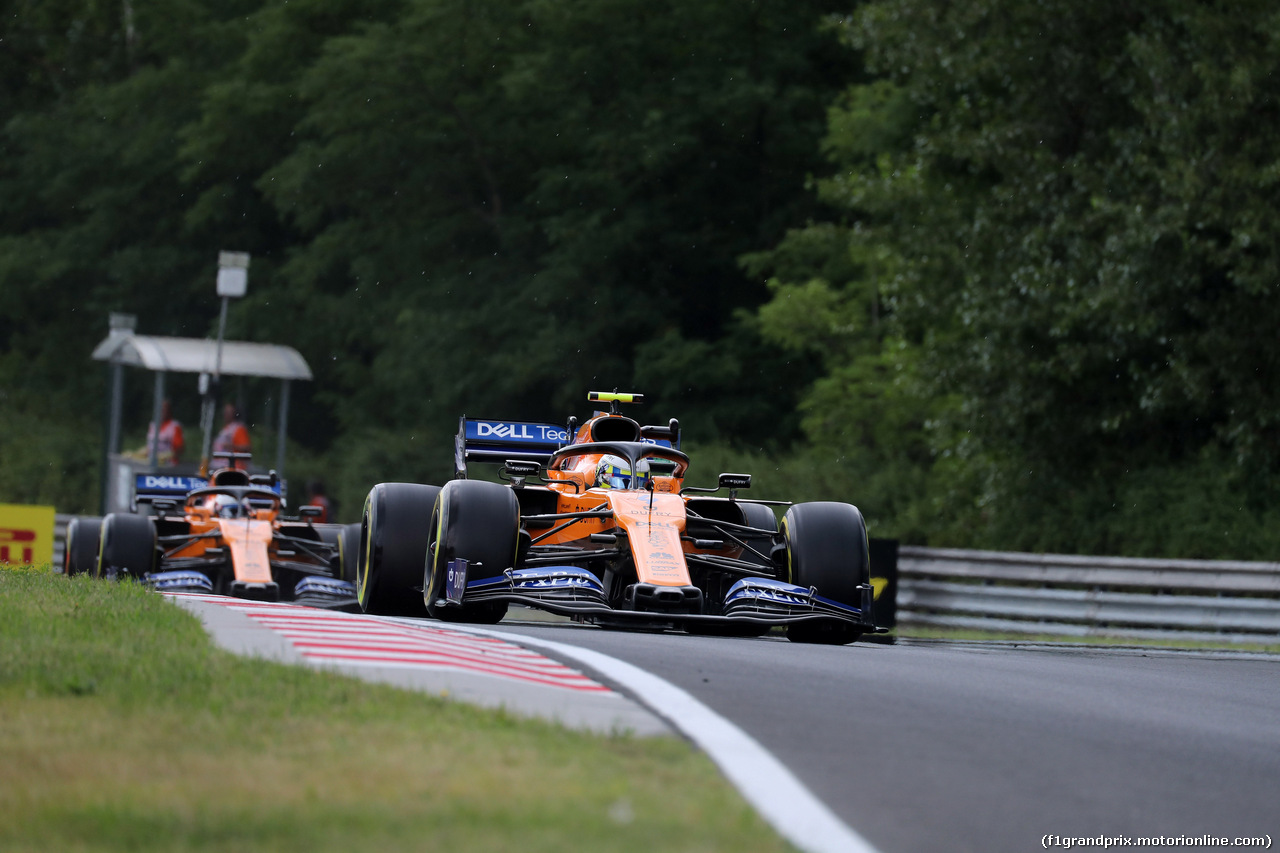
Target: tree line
[1003, 273]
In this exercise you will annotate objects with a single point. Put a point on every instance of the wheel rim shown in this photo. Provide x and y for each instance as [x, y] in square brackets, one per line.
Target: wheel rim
[429, 591]
[364, 565]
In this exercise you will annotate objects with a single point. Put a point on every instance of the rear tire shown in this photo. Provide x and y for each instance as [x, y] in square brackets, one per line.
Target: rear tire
[827, 549]
[760, 516]
[80, 554]
[345, 539]
[393, 548]
[763, 517]
[480, 523]
[127, 547]
[349, 552]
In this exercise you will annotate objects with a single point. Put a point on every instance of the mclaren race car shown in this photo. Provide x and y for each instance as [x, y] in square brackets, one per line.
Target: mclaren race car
[595, 522]
[224, 536]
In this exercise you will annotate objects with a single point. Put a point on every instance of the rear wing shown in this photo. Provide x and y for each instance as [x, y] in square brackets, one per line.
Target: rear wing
[152, 486]
[482, 440]
[148, 488]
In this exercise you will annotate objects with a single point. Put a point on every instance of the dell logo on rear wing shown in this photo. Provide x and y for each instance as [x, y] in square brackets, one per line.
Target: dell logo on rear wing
[515, 431]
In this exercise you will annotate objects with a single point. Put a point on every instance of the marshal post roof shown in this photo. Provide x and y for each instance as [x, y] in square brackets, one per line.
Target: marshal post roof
[198, 355]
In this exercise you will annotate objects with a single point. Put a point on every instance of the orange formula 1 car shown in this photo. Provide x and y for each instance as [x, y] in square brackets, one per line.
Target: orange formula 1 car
[225, 537]
[596, 522]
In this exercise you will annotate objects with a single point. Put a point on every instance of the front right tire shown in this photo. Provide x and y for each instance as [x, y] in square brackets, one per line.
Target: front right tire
[80, 553]
[127, 547]
[479, 522]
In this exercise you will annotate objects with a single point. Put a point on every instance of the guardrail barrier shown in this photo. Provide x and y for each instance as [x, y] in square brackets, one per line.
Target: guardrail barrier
[1071, 595]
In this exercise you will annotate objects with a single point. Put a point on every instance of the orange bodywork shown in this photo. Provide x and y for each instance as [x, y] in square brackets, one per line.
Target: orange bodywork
[654, 529]
[249, 539]
[653, 522]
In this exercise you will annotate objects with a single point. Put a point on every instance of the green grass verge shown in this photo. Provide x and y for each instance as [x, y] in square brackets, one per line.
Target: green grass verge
[123, 728]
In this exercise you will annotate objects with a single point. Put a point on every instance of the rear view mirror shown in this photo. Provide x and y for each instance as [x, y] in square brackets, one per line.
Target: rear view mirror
[735, 481]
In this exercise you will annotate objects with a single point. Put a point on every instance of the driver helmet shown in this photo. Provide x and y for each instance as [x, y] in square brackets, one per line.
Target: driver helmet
[226, 506]
[614, 472]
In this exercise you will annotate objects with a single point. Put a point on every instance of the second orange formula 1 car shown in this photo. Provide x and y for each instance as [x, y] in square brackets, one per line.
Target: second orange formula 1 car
[226, 536]
[596, 522]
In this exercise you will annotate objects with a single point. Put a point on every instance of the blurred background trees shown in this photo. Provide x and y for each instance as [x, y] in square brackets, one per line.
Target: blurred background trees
[1004, 274]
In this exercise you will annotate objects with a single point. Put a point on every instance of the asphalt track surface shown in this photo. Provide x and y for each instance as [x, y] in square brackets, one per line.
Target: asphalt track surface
[942, 747]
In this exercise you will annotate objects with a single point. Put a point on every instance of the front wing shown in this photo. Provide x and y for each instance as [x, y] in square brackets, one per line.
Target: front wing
[294, 557]
[571, 591]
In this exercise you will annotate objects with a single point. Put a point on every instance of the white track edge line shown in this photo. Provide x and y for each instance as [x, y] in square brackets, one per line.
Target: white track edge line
[764, 781]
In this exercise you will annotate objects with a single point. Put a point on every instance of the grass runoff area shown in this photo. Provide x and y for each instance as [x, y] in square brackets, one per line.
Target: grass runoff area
[122, 727]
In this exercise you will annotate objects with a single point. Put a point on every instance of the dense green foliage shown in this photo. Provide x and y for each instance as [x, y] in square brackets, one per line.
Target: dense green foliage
[1052, 288]
[451, 207]
[1004, 273]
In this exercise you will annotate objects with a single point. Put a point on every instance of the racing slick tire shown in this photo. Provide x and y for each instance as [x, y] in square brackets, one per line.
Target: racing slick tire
[479, 522]
[349, 552]
[827, 549]
[345, 539]
[760, 516]
[127, 547]
[393, 547]
[754, 515]
[80, 554]
[332, 535]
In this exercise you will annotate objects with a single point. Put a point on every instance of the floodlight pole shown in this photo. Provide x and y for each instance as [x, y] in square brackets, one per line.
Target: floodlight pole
[233, 280]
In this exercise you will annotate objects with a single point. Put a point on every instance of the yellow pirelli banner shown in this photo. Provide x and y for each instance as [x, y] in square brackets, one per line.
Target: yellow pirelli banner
[26, 534]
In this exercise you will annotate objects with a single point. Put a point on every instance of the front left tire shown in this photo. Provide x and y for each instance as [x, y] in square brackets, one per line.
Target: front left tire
[827, 549]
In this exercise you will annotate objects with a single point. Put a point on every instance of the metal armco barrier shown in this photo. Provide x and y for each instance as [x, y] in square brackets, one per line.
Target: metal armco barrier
[1089, 596]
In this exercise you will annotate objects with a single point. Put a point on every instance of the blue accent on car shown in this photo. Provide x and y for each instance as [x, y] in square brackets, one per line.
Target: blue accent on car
[166, 485]
[179, 581]
[173, 485]
[556, 577]
[318, 587]
[455, 581]
[520, 434]
[480, 440]
[772, 592]
[540, 580]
